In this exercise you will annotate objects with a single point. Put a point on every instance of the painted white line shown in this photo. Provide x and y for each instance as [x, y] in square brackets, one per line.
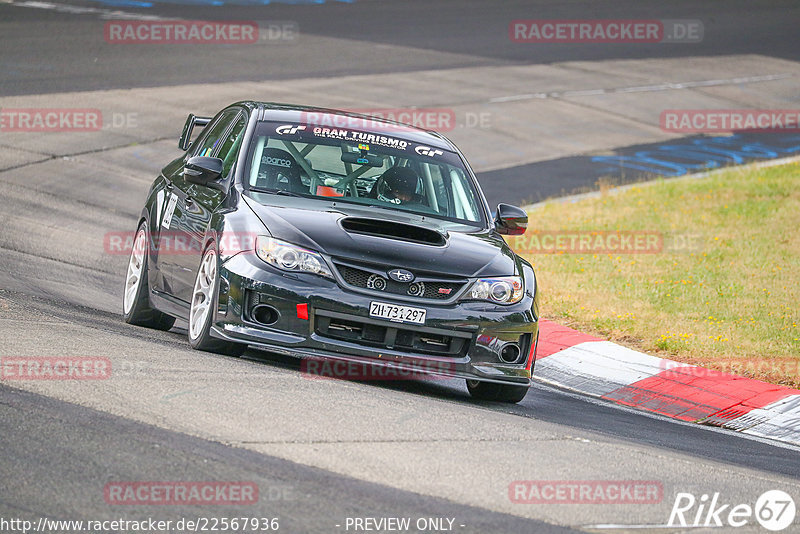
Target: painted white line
[667, 86]
[518, 97]
[615, 526]
[727, 81]
[601, 367]
[648, 88]
[597, 368]
[80, 10]
[598, 401]
[779, 420]
[584, 92]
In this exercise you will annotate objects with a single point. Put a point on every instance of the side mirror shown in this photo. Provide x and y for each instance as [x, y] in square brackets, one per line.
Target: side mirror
[510, 220]
[202, 170]
[185, 141]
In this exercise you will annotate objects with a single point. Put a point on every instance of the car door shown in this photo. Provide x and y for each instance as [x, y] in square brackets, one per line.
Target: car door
[199, 201]
[171, 241]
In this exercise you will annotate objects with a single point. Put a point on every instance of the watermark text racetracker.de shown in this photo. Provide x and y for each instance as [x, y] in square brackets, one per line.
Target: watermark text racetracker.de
[50, 120]
[74, 368]
[171, 493]
[730, 120]
[199, 32]
[170, 242]
[604, 242]
[724, 367]
[641, 31]
[585, 492]
[54, 368]
[316, 368]
[64, 120]
[437, 119]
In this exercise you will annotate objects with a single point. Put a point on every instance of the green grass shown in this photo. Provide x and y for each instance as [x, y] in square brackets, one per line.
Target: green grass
[729, 303]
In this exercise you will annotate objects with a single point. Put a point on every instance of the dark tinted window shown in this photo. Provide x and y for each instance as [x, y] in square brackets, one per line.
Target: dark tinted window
[230, 146]
[214, 138]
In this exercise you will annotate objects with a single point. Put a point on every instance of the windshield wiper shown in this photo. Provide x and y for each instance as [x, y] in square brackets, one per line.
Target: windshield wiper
[283, 192]
[386, 207]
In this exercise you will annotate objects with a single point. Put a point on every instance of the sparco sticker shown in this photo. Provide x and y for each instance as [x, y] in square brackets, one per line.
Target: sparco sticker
[280, 162]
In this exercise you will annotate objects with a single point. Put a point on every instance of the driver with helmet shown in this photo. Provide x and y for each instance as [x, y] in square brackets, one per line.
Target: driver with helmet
[398, 185]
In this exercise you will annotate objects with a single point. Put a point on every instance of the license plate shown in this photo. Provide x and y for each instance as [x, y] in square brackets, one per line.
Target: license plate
[400, 314]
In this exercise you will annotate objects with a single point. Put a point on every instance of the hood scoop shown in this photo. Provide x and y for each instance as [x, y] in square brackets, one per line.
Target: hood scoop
[392, 230]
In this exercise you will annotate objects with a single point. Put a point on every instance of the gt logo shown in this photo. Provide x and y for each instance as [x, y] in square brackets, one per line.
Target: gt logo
[427, 151]
[288, 129]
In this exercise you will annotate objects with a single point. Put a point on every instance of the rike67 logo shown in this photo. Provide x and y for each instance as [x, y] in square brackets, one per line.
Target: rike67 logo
[774, 510]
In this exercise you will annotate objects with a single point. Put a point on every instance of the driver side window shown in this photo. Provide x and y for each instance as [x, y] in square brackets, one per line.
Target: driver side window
[214, 138]
[230, 146]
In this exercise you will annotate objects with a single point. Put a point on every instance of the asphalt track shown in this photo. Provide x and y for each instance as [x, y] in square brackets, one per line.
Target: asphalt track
[365, 37]
[324, 450]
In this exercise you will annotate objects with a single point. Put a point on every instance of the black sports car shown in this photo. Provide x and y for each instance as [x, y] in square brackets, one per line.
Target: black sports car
[335, 236]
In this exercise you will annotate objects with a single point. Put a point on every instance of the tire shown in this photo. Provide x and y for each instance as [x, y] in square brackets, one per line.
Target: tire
[201, 308]
[496, 392]
[135, 297]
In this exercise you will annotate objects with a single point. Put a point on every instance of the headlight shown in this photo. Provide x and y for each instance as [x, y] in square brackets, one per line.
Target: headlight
[501, 290]
[290, 257]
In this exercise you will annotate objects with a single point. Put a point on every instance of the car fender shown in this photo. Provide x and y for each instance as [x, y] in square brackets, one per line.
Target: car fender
[233, 228]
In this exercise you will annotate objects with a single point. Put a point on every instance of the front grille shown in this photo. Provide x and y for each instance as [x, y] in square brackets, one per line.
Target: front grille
[354, 277]
[422, 287]
[393, 336]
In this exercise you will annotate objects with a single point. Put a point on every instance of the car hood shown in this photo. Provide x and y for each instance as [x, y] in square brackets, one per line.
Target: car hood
[321, 226]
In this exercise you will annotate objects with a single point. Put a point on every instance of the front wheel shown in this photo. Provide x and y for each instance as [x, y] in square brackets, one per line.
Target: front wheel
[496, 392]
[135, 301]
[201, 310]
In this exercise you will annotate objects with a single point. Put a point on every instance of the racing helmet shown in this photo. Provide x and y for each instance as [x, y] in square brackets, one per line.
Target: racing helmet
[397, 185]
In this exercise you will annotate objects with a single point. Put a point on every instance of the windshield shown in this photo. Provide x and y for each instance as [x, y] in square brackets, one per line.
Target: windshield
[375, 169]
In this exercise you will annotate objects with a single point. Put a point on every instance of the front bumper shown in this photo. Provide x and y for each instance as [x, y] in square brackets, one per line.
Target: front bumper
[460, 340]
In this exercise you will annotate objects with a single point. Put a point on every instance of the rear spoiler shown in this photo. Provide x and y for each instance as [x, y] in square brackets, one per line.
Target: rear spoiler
[185, 141]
